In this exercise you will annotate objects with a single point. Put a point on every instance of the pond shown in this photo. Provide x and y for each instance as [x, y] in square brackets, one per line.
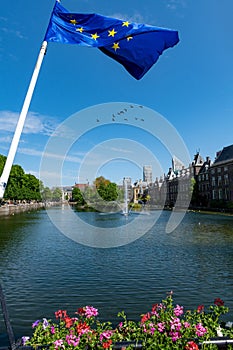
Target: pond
[42, 270]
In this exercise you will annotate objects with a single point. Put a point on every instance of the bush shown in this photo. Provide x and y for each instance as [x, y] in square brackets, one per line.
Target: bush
[165, 327]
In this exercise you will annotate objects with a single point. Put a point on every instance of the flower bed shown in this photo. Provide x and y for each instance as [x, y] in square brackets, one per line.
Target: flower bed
[166, 326]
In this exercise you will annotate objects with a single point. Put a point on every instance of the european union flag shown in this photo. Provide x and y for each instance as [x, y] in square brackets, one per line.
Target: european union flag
[136, 46]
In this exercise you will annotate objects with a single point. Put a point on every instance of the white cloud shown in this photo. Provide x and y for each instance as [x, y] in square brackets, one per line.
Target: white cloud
[175, 4]
[16, 33]
[37, 153]
[35, 123]
[136, 17]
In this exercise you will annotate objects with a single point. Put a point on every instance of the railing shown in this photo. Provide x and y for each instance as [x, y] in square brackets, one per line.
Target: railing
[221, 342]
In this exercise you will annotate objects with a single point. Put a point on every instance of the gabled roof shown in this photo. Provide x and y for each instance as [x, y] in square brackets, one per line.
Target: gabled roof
[225, 155]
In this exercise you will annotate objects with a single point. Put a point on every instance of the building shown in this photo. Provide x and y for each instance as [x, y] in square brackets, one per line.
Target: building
[147, 174]
[176, 187]
[140, 188]
[215, 181]
[127, 187]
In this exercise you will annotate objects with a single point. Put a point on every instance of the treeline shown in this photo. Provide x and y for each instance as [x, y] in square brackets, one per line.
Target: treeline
[26, 187]
[98, 196]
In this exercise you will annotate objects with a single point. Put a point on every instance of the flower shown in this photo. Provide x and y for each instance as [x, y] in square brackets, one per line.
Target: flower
[218, 302]
[45, 323]
[178, 310]
[107, 344]
[161, 327]
[145, 317]
[61, 314]
[200, 330]
[35, 324]
[105, 335]
[24, 340]
[59, 344]
[82, 328]
[191, 346]
[165, 327]
[90, 311]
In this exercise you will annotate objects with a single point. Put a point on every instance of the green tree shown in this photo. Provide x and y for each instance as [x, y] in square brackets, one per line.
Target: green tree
[46, 194]
[77, 196]
[57, 194]
[14, 185]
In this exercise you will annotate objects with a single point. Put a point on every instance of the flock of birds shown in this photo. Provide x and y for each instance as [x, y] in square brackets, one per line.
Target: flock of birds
[125, 110]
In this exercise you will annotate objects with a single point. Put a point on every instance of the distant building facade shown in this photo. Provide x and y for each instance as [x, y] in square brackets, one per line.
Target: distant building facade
[147, 174]
[215, 181]
[201, 184]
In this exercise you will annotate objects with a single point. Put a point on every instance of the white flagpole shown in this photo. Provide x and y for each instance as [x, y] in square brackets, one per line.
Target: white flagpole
[15, 141]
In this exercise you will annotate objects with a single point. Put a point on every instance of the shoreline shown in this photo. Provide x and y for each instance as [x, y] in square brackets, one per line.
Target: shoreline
[12, 209]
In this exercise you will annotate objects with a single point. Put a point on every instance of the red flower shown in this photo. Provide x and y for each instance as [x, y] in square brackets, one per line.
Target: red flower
[218, 302]
[68, 321]
[191, 346]
[145, 317]
[81, 311]
[61, 313]
[200, 308]
[82, 328]
[107, 344]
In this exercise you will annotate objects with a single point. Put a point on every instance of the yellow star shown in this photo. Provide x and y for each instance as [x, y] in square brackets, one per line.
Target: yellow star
[125, 24]
[80, 29]
[94, 36]
[112, 32]
[115, 46]
[129, 38]
[73, 21]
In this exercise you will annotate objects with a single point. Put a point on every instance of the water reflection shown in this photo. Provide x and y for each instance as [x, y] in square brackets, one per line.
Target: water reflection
[42, 270]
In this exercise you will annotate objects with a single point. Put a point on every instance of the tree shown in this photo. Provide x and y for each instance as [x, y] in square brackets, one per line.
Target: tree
[14, 185]
[57, 194]
[106, 189]
[101, 181]
[46, 194]
[77, 196]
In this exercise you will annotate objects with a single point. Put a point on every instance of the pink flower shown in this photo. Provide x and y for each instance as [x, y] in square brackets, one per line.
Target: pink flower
[161, 326]
[186, 324]
[72, 340]
[90, 311]
[59, 344]
[178, 310]
[52, 330]
[106, 335]
[200, 330]
[175, 335]
[175, 324]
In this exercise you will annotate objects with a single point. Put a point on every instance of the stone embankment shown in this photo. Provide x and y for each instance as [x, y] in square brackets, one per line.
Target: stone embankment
[12, 209]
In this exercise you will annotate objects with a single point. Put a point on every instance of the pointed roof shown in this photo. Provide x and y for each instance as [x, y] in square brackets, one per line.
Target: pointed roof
[225, 155]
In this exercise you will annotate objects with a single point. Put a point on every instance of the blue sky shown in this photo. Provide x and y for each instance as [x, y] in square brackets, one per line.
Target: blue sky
[191, 86]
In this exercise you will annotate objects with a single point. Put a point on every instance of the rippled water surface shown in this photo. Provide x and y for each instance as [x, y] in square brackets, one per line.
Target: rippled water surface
[42, 270]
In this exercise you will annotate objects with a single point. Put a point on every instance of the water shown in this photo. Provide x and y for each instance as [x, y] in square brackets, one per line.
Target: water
[43, 271]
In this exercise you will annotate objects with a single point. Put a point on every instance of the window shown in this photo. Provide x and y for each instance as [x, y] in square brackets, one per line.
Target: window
[226, 180]
[213, 181]
[220, 193]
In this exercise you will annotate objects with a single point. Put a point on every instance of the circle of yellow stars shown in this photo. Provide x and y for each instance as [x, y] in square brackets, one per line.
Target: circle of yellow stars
[111, 33]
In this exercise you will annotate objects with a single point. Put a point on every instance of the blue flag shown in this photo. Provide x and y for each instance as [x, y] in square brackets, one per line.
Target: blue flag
[136, 46]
